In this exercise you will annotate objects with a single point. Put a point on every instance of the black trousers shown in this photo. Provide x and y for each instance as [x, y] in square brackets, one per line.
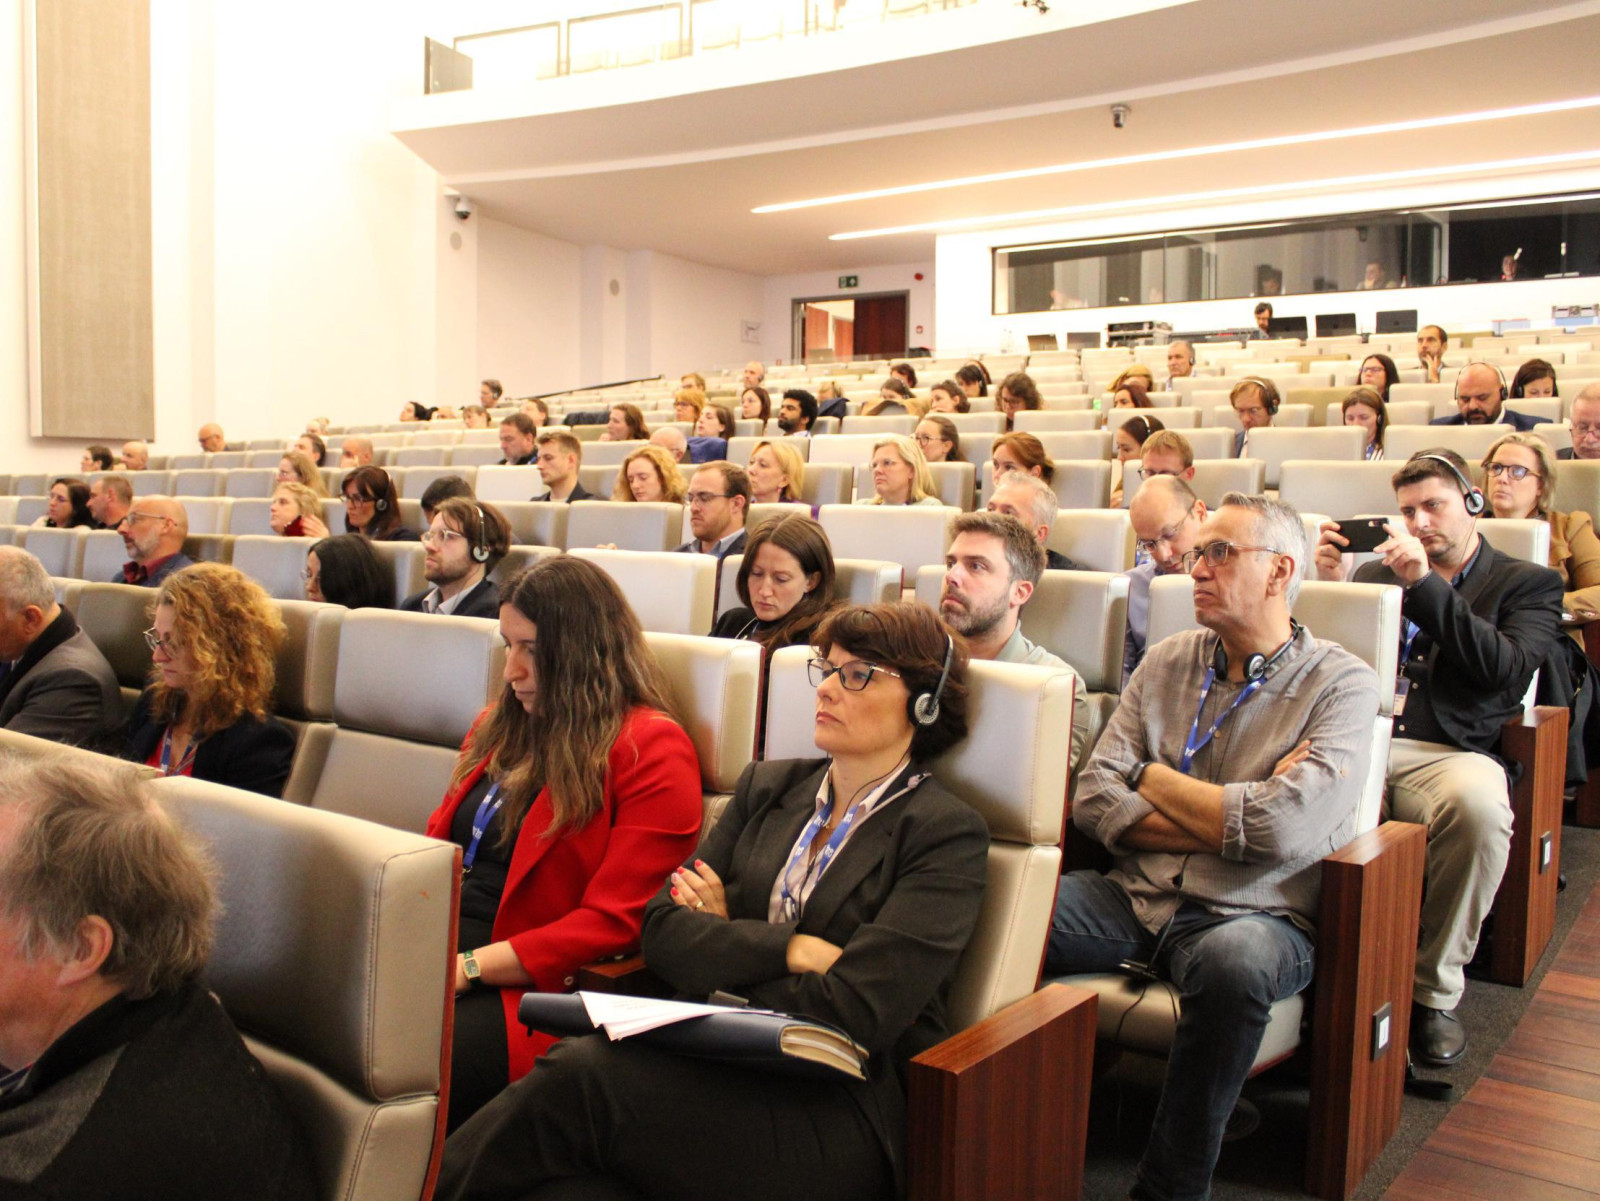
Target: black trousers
[480, 1063]
[593, 1112]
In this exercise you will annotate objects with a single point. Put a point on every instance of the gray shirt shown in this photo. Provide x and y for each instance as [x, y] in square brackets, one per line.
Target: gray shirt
[1019, 650]
[1275, 828]
[1138, 617]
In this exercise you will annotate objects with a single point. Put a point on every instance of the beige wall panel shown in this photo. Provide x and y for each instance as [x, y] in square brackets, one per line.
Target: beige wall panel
[93, 137]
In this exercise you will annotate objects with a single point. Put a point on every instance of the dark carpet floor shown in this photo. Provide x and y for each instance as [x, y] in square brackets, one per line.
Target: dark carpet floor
[1271, 1162]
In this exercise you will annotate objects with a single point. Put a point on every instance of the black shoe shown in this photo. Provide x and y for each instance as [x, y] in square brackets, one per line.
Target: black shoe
[1438, 1039]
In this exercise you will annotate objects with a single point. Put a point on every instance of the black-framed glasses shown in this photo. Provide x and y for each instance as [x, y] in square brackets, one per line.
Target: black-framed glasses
[705, 498]
[131, 517]
[355, 498]
[853, 676]
[1515, 470]
[1217, 553]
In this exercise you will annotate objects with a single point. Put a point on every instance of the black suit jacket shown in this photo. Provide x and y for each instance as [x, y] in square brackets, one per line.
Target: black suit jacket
[1522, 422]
[901, 898]
[579, 492]
[250, 754]
[1490, 635]
[482, 601]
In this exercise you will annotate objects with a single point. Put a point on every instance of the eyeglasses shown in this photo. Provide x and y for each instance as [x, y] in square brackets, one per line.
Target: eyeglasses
[705, 498]
[853, 676]
[307, 576]
[439, 537]
[157, 643]
[928, 439]
[1148, 545]
[130, 517]
[1515, 471]
[1217, 553]
[355, 498]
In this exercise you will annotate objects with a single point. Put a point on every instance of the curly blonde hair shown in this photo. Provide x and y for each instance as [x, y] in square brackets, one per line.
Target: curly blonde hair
[672, 486]
[306, 471]
[306, 502]
[232, 632]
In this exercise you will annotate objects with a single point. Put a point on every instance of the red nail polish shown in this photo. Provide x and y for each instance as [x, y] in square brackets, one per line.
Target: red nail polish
[674, 892]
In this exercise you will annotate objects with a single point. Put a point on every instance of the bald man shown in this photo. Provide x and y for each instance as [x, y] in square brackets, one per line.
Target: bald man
[1166, 516]
[1480, 400]
[135, 456]
[153, 532]
[211, 439]
[670, 439]
[355, 452]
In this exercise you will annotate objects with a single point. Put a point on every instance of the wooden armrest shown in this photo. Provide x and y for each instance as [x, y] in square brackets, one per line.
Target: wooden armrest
[627, 976]
[1366, 958]
[1001, 1110]
[1524, 915]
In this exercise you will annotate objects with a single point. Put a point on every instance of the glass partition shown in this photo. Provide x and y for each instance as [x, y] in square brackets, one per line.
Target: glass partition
[1548, 237]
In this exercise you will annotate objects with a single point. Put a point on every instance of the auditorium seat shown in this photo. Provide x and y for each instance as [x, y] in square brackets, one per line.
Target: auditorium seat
[911, 535]
[30, 509]
[1431, 393]
[250, 482]
[1324, 403]
[1273, 445]
[1371, 896]
[1078, 484]
[406, 690]
[878, 426]
[226, 460]
[414, 481]
[188, 462]
[420, 456]
[1001, 1058]
[599, 481]
[303, 694]
[535, 523]
[828, 483]
[610, 454]
[1077, 444]
[475, 454]
[640, 526]
[207, 514]
[8, 510]
[496, 484]
[517, 560]
[274, 562]
[855, 581]
[104, 553]
[115, 617]
[851, 449]
[1341, 490]
[1181, 419]
[209, 548]
[1040, 421]
[199, 482]
[150, 483]
[251, 516]
[976, 422]
[1471, 442]
[265, 456]
[739, 448]
[61, 551]
[335, 957]
[1100, 539]
[1212, 479]
[670, 593]
[1521, 538]
[405, 559]
[1578, 487]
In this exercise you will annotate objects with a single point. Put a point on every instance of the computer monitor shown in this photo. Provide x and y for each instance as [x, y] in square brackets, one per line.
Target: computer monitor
[1398, 321]
[1287, 327]
[1336, 325]
[1043, 342]
[1083, 341]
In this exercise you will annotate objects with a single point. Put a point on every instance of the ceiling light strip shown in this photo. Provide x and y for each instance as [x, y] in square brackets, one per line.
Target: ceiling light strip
[1186, 198]
[1155, 156]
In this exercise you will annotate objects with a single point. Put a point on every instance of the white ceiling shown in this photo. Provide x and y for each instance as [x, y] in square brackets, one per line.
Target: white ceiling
[680, 173]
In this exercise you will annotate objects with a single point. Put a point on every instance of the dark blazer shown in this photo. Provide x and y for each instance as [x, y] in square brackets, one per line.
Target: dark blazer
[525, 461]
[176, 562]
[482, 601]
[399, 534]
[1054, 560]
[692, 547]
[1568, 452]
[901, 898]
[62, 688]
[579, 492]
[250, 754]
[1522, 422]
[1491, 634]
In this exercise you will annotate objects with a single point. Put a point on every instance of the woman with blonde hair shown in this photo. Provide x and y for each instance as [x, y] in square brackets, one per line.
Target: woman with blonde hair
[649, 474]
[687, 403]
[296, 512]
[297, 467]
[575, 795]
[777, 474]
[625, 424]
[900, 474]
[1136, 372]
[1520, 481]
[214, 640]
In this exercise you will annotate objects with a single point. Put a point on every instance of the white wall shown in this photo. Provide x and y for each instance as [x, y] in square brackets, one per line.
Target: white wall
[527, 309]
[781, 291]
[696, 314]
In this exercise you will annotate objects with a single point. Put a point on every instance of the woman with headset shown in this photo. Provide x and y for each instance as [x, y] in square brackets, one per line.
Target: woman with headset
[372, 507]
[843, 888]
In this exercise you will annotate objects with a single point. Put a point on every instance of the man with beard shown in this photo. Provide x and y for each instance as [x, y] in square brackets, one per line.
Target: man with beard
[465, 542]
[797, 413]
[1480, 397]
[991, 569]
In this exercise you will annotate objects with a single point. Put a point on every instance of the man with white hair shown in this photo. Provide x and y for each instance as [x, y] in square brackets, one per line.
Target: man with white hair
[54, 682]
[1033, 502]
[1585, 426]
[1233, 763]
[671, 439]
[1180, 361]
[135, 456]
[127, 1079]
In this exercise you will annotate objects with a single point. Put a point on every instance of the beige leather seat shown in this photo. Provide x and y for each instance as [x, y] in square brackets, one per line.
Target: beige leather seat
[1578, 487]
[414, 481]
[115, 617]
[852, 449]
[335, 957]
[388, 761]
[227, 460]
[977, 423]
[1471, 442]
[670, 593]
[1011, 768]
[1341, 490]
[1371, 895]
[432, 455]
[265, 453]
[307, 665]
[1077, 444]
[1410, 412]
[1520, 538]
[911, 535]
[251, 516]
[1431, 394]
[1273, 445]
[274, 562]
[1042, 421]
[199, 482]
[741, 447]
[1213, 479]
[470, 454]
[517, 560]
[104, 553]
[61, 551]
[207, 514]
[497, 484]
[1078, 483]
[899, 423]
[1100, 539]
[640, 526]
[610, 454]
[406, 560]
[827, 484]
[535, 523]
[856, 581]
[1210, 443]
[250, 482]
[188, 462]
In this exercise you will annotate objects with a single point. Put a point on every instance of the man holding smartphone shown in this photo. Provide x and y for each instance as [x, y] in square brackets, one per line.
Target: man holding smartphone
[1476, 624]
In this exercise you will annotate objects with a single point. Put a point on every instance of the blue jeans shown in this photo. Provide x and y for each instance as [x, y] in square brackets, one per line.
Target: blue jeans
[1228, 972]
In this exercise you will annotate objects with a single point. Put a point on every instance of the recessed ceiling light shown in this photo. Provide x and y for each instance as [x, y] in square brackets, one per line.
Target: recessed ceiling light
[1156, 156]
[1183, 198]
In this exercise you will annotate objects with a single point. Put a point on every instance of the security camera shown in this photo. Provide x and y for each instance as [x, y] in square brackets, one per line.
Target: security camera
[464, 207]
[1119, 116]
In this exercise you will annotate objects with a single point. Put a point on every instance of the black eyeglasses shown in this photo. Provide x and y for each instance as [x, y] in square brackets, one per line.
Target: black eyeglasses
[1515, 470]
[853, 676]
[1217, 553]
[705, 498]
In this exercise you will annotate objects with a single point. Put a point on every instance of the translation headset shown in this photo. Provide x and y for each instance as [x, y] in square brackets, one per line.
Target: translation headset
[1471, 496]
[925, 708]
[1256, 665]
[480, 546]
[1269, 392]
[1498, 374]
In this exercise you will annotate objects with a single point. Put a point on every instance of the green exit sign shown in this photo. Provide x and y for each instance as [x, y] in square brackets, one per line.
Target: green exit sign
[849, 281]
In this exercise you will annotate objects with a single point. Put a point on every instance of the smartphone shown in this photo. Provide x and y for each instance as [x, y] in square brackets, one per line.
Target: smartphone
[1365, 535]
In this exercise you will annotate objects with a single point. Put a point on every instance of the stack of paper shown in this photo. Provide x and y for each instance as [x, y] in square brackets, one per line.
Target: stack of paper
[623, 1017]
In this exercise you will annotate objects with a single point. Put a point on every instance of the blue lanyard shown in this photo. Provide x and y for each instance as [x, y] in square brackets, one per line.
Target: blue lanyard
[1412, 630]
[166, 755]
[487, 808]
[1190, 746]
[791, 906]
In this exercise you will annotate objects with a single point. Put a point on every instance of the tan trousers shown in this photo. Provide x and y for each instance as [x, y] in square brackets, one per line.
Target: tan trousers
[1461, 797]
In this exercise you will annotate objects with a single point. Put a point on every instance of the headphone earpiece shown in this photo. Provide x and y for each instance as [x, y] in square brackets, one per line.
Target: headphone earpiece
[1256, 665]
[925, 708]
[480, 548]
[1505, 391]
[1471, 498]
[1270, 395]
[380, 504]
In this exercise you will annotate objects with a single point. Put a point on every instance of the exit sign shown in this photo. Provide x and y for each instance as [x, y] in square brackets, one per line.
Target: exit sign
[849, 281]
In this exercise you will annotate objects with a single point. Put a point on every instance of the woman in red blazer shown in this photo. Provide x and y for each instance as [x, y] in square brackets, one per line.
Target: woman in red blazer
[572, 802]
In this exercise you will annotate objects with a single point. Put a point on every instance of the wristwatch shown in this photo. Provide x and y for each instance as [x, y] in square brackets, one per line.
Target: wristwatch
[471, 969]
[1137, 774]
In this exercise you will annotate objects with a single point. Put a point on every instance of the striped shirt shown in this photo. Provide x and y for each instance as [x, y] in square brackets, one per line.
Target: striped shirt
[1275, 828]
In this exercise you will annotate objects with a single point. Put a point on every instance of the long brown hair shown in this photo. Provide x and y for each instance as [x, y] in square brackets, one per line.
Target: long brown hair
[593, 667]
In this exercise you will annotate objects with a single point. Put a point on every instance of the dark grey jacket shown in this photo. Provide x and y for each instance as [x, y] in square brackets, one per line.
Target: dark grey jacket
[63, 689]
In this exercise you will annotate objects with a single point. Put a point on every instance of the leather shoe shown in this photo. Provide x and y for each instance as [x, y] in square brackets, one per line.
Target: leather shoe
[1438, 1039]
